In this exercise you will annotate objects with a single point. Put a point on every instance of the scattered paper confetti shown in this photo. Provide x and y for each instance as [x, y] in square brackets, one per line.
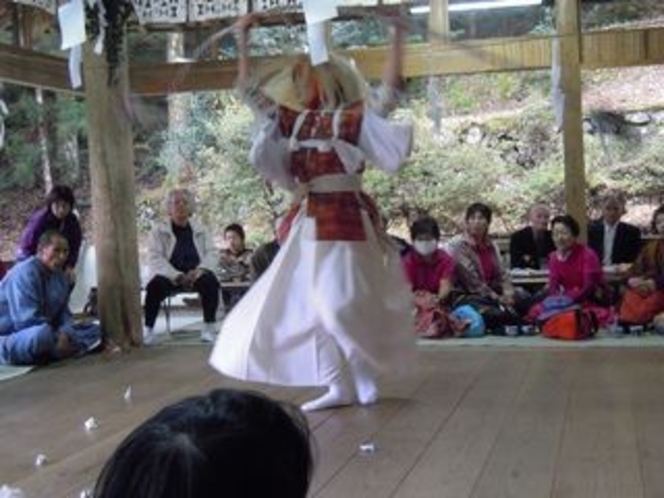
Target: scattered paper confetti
[91, 424]
[367, 448]
[127, 395]
[40, 460]
[86, 493]
[7, 492]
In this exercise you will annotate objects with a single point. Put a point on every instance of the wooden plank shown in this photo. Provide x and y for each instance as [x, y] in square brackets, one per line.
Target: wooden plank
[452, 463]
[636, 47]
[615, 48]
[45, 411]
[402, 439]
[648, 411]
[598, 456]
[471, 422]
[523, 460]
[30, 68]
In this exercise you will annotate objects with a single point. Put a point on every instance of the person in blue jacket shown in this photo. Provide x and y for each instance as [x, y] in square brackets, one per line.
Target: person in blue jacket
[36, 325]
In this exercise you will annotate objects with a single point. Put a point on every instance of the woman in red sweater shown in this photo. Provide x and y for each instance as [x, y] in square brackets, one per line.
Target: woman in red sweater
[575, 270]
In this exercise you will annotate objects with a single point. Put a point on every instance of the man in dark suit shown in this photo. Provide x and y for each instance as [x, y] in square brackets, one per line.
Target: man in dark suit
[614, 242]
[530, 247]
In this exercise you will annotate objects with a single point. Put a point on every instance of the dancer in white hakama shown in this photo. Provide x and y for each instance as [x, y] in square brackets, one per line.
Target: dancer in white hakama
[333, 308]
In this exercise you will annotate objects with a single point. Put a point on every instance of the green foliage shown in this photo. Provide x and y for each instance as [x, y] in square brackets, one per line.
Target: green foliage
[214, 142]
[64, 121]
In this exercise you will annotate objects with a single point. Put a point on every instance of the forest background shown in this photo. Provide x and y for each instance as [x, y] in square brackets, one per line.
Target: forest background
[489, 137]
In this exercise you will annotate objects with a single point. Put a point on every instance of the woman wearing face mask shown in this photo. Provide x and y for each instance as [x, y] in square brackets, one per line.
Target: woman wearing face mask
[483, 281]
[431, 274]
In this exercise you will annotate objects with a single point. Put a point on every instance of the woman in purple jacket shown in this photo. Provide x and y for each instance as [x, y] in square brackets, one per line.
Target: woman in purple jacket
[57, 214]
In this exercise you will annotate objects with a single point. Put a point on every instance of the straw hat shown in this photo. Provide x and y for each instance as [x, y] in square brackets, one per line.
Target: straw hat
[301, 86]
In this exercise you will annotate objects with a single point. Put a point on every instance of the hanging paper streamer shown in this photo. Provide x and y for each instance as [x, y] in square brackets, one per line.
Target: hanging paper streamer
[557, 93]
[75, 61]
[316, 13]
[317, 36]
[71, 17]
[3, 112]
[101, 22]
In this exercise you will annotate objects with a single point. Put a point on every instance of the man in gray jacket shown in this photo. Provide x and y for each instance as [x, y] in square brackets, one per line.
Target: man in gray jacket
[181, 257]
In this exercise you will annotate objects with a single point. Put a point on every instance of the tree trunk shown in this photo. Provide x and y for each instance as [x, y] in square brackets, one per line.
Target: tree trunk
[113, 199]
[42, 133]
[177, 108]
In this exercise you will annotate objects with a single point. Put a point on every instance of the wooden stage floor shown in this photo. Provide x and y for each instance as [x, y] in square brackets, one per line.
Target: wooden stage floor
[471, 422]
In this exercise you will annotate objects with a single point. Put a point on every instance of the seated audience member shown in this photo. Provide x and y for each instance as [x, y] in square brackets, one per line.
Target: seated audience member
[575, 271]
[235, 264]
[228, 443]
[530, 247]
[644, 297]
[36, 325]
[181, 257]
[613, 241]
[482, 280]
[262, 257]
[430, 271]
[56, 214]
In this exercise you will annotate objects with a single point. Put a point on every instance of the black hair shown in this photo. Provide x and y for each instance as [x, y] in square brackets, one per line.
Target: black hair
[655, 214]
[235, 227]
[230, 443]
[478, 207]
[569, 221]
[48, 237]
[426, 225]
[60, 193]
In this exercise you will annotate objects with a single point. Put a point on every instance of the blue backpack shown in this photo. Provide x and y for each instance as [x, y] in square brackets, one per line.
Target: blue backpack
[466, 312]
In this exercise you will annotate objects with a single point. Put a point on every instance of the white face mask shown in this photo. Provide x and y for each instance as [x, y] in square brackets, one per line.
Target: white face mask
[425, 247]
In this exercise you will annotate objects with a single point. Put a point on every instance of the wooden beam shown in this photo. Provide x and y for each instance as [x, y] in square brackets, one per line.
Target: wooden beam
[639, 47]
[30, 68]
[570, 84]
[605, 49]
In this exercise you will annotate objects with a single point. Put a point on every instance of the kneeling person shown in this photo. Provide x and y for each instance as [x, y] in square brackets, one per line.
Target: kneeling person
[36, 325]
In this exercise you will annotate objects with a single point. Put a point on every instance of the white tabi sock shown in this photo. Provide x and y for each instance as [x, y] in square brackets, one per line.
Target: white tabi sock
[338, 394]
[365, 383]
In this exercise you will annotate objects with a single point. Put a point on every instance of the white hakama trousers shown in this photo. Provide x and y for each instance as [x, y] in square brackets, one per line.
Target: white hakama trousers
[319, 305]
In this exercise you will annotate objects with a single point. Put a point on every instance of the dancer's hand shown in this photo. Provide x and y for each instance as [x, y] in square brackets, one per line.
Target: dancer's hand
[246, 22]
[398, 26]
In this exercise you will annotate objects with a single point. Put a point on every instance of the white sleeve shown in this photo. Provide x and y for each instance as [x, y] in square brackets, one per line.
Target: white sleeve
[270, 154]
[158, 260]
[386, 144]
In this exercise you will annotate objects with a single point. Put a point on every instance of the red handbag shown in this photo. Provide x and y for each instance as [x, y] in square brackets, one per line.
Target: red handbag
[572, 324]
[639, 310]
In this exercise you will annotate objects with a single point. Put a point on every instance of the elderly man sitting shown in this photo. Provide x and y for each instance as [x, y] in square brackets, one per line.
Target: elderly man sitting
[36, 325]
[181, 257]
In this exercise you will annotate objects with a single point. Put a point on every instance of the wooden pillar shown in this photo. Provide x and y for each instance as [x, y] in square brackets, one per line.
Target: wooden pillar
[439, 30]
[113, 199]
[570, 66]
[439, 21]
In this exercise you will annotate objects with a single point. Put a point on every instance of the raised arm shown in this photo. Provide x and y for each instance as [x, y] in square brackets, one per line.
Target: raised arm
[242, 27]
[392, 74]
